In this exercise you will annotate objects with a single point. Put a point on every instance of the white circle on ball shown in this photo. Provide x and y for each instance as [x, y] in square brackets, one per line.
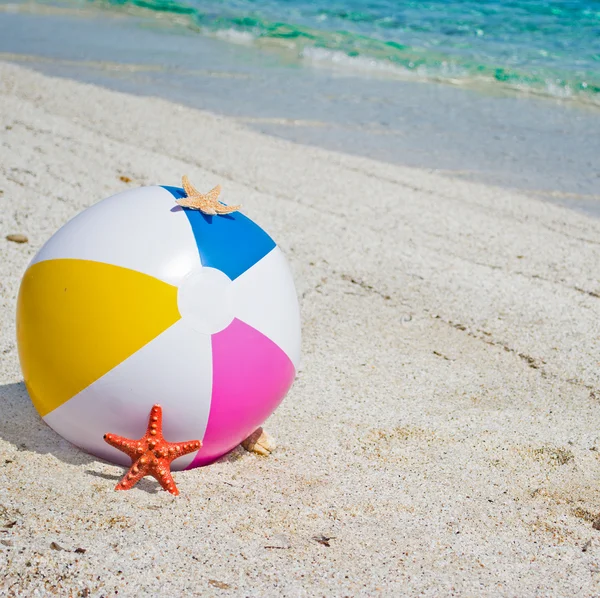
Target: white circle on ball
[204, 300]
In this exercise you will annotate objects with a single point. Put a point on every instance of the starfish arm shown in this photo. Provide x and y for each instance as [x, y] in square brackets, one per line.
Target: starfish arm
[213, 194]
[127, 446]
[136, 472]
[178, 449]
[188, 187]
[223, 209]
[209, 210]
[155, 422]
[186, 202]
[162, 474]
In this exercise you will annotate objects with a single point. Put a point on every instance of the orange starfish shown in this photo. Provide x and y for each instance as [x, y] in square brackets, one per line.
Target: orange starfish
[151, 454]
[207, 203]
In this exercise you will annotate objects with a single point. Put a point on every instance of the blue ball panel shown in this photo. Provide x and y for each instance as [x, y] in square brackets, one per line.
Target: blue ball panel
[231, 243]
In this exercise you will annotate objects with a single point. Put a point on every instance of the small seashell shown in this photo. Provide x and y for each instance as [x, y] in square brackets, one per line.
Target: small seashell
[259, 442]
[17, 238]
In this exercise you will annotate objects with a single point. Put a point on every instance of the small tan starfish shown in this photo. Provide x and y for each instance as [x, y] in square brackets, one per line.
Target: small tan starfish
[207, 203]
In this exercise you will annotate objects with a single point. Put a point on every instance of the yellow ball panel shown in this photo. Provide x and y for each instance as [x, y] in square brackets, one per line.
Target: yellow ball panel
[78, 319]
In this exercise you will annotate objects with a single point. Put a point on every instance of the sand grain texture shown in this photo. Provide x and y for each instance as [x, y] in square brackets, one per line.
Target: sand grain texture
[443, 432]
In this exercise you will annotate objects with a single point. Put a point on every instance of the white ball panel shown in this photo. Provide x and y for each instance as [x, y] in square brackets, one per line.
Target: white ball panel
[135, 229]
[265, 298]
[174, 370]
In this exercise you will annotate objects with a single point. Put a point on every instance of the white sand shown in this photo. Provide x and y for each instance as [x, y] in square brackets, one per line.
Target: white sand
[444, 429]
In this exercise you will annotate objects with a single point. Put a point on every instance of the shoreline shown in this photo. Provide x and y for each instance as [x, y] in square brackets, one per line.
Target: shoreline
[291, 40]
[544, 148]
[442, 431]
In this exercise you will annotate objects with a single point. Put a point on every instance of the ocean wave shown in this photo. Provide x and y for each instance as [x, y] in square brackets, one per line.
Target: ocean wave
[480, 77]
[365, 54]
[366, 64]
[234, 36]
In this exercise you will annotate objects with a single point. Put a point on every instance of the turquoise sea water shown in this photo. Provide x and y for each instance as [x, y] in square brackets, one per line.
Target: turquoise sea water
[549, 47]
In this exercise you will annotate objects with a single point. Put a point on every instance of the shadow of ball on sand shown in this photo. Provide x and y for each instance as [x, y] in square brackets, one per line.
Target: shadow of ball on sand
[21, 426]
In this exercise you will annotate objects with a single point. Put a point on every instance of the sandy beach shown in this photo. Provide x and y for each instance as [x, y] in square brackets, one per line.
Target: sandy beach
[442, 434]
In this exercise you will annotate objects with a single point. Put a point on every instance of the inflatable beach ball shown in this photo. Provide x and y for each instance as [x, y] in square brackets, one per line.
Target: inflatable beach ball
[138, 301]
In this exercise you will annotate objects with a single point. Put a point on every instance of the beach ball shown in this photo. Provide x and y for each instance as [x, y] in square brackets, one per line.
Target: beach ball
[138, 301]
